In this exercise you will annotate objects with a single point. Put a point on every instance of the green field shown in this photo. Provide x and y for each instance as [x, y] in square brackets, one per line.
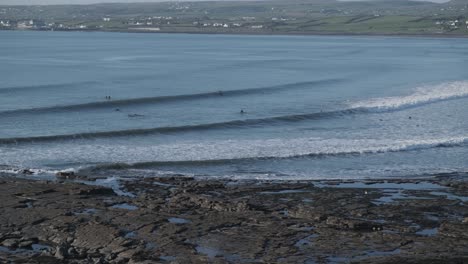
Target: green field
[266, 17]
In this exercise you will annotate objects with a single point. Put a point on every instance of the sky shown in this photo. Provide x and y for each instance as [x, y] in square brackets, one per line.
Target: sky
[74, 2]
[56, 2]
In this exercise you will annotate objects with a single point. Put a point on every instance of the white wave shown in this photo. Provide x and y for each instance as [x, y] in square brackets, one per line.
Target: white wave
[111, 182]
[33, 171]
[422, 96]
[216, 150]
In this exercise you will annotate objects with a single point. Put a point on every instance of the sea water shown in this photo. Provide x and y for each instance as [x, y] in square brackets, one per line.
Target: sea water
[234, 106]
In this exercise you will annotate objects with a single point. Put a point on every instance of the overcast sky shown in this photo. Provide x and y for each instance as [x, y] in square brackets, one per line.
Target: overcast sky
[74, 2]
[55, 2]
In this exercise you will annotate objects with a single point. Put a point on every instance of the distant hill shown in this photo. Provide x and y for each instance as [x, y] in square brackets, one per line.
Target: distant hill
[265, 17]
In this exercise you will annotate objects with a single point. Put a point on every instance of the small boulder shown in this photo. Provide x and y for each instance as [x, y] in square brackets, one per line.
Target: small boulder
[26, 244]
[65, 174]
[10, 243]
[60, 252]
[27, 171]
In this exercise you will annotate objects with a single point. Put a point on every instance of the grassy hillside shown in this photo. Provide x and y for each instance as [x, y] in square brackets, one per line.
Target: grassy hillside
[295, 16]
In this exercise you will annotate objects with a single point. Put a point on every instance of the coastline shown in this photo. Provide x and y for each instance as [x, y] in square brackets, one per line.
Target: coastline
[187, 220]
[249, 33]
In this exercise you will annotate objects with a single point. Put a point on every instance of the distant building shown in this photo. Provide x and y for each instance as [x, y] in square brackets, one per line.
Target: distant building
[5, 23]
[25, 24]
[257, 26]
[146, 29]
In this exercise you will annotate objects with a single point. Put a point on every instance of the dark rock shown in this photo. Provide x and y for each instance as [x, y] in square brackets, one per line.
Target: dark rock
[356, 225]
[65, 174]
[406, 242]
[26, 244]
[60, 252]
[72, 252]
[128, 254]
[308, 213]
[10, 243]
[97, 260]
[27, 171]
[97, 191]
[229, 223]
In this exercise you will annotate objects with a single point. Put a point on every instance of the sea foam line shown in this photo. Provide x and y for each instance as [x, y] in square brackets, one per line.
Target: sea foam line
[219, 152]
[422, 96]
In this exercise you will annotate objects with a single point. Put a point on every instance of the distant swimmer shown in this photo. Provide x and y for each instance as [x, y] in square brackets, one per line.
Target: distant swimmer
[117, 109]
[409, 117]
[242, 111]
[108, 97]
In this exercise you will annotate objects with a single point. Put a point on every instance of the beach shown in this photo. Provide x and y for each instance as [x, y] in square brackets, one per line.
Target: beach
[186, 220]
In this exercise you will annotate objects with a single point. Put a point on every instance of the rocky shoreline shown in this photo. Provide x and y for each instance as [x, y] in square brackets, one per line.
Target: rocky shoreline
[187, 220]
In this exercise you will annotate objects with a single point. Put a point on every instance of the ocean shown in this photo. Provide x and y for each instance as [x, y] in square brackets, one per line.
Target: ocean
[232, 106]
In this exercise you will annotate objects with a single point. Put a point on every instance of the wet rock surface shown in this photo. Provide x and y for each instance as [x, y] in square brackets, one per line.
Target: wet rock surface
[183, 220]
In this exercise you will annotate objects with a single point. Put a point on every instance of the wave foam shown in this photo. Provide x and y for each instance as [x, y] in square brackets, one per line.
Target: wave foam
[422, 96]
[217, 152]
[25, 171]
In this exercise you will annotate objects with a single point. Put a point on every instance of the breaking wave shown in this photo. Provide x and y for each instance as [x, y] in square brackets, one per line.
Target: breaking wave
[294, 148]
[422, 96]
[223, 152]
